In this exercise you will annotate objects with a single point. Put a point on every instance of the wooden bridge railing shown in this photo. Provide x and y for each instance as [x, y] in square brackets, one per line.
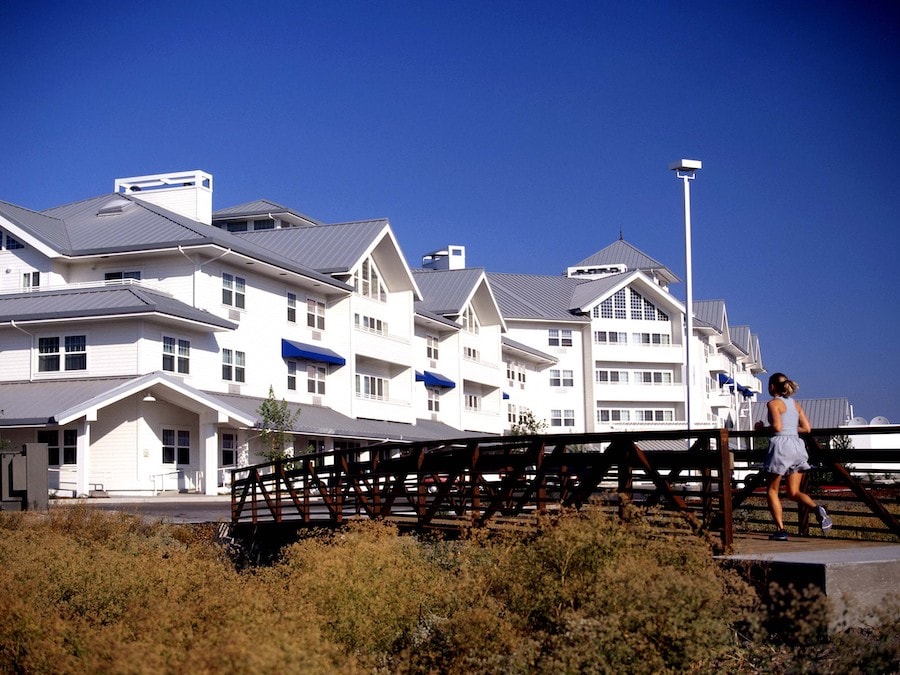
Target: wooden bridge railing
[483, 481]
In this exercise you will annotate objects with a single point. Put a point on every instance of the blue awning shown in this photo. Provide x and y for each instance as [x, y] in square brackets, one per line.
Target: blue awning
[745, 391]
[505, 396]
[301, 350]
[724, 379]
[434, 380]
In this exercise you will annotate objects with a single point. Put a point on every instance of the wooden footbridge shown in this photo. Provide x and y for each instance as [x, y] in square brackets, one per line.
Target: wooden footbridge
[711, 477]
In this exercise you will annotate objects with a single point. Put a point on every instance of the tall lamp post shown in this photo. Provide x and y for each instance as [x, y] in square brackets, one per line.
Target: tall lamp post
[685, 169]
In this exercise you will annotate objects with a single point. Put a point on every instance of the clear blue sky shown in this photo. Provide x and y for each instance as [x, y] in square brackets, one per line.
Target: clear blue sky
[529, 132]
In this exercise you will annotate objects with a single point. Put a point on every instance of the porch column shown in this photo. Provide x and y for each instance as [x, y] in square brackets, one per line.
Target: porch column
[209, 454]
[83, 455]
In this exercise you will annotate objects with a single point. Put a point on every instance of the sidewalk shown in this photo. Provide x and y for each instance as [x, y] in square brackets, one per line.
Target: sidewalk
[171, 507]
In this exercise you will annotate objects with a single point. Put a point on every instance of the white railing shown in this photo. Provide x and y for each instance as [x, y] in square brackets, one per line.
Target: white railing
[98, 283]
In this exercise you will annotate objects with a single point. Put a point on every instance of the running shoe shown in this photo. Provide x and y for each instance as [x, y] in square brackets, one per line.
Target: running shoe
[824, 519]
[781, 535]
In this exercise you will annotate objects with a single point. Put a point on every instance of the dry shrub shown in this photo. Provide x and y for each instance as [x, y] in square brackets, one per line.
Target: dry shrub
[585, 592]
[613, 596]
[86, 592]
[372, 588]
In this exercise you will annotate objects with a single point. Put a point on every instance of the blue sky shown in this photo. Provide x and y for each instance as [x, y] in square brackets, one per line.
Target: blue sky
[530, 132]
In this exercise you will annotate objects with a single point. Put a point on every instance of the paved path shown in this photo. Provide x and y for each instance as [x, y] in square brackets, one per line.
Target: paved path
[177, 508]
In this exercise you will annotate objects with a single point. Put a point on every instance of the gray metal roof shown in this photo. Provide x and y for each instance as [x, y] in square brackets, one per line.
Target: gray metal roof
[536, 354]
[587, 293]
[822, 413]
[424, 313]
[52, 401]
[740, 337]
[445, 292]
[39, 403]
[321, 421]
[329, 249]
[712, 313]
[101, 301]
[258, 208]
[531, 296]
[119, 223]
[36, 403]
[50, 230]
[620, 251]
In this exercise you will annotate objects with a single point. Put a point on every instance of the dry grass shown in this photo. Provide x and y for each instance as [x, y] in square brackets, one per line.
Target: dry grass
[85, 592]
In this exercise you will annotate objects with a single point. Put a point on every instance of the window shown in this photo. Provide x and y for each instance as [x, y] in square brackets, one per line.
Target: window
[236, 227]
[611, 376]
[371, 386]
[69, 446]
[292, 375]
[370, 324]
[31, 281]
[655, 415]
[292, 307]
[562, 378]
[367, 281]
[604, 337]
[469, 320]
[176, 446]
[473, 402]
[431, 347]
[515, 372]
[608, 415]
[562, 418]
[234, 290]
[653, 377]
[11, 243]
[652, 339]
[510, 413]
[315, 379]
[121, 276]
[471, 354]
[73, 358]
[560, 338]
[315, 314]
[264, 224]
[176, 355]
[229, 449]
[434, 399]
[234, 366]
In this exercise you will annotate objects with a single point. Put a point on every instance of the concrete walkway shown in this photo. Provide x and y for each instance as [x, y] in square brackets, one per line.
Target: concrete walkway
[856, 576]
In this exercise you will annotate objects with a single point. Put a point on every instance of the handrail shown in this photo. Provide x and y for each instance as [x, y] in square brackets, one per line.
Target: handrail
[485, 480]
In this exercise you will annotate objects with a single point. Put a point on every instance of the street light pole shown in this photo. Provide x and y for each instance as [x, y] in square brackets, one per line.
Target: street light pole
[685, 169]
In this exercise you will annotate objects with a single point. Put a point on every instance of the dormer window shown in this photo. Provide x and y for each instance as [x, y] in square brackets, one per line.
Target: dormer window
[469, 320]
[367, 281]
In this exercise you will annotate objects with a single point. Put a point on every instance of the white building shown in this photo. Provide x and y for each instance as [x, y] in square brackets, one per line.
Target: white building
[141, 330]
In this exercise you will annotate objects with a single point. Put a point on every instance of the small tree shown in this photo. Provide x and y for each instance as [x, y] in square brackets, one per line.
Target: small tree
[528, 424]
[277, 421]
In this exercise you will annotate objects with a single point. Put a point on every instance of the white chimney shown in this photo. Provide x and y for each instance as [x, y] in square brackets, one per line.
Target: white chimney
[188, 193]
[450, 258]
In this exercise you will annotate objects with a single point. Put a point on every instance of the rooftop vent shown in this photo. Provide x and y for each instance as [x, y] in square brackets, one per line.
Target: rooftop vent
[450, 258]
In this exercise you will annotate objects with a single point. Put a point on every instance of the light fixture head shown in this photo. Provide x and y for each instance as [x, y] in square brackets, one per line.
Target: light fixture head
[686, 165]
[148, 397]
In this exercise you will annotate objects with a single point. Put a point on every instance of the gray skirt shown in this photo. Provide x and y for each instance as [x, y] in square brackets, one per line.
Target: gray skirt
[787, 455]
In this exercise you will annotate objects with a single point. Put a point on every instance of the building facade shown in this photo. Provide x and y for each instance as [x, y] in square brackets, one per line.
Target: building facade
[141, 330]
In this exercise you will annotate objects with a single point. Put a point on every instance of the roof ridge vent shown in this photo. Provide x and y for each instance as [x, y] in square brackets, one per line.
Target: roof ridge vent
[114, 207]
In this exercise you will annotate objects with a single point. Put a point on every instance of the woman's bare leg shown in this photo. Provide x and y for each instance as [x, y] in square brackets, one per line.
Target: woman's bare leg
[774, 501]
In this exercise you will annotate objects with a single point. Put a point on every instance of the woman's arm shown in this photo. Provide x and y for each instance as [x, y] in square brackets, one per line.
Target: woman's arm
[776, 408]
[803, 425]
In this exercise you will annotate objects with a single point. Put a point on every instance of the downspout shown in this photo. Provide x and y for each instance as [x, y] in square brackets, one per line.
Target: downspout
[30, 349]
[197, 267]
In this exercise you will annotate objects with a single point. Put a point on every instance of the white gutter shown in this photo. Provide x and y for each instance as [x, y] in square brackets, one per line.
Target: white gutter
[197, 267]
[30, 350]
